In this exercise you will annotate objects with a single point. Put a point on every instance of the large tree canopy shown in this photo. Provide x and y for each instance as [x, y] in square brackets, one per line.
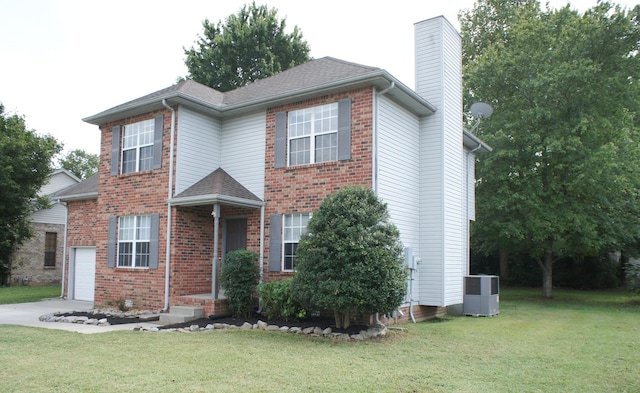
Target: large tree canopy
[350, 258]
[564, 176]
[25, 159]
[81, 163]
[251, 45]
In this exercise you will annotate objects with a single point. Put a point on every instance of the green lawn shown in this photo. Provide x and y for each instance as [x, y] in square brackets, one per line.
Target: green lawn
[19, 294]
[578, 342]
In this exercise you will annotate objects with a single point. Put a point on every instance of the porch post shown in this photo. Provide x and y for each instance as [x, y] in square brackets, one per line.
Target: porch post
[214, 268]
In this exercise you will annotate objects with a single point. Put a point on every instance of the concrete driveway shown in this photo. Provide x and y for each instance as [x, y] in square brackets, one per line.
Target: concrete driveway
[28, 314]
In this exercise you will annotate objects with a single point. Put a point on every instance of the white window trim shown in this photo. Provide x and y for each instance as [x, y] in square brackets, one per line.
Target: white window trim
[285, 241]
[312, 135]
[134, 242]
[140, 125]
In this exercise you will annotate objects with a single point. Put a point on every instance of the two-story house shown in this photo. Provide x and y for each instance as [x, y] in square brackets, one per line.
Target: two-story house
[39, 260]
[188, 174]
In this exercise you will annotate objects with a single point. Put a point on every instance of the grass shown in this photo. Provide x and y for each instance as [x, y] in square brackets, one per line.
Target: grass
[19, 294]
[577, 342]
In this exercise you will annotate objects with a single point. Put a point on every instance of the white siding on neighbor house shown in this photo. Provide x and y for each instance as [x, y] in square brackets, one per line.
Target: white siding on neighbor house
[398, 147]
[55, 215]
[243, 150]
[198, 147]
[471, 185]
[438, 80]
[59, 180]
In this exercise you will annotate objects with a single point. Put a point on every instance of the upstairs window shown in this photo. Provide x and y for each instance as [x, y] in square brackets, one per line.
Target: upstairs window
[134, 238]
[137, 146]
[313, 135]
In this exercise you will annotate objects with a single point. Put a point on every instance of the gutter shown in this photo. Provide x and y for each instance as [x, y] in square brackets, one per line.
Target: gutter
[289, 95]
[64, 246]
[167, 261]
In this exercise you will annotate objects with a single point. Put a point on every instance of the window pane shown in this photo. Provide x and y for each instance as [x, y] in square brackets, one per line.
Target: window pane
[326, 147]
[142, 254]
[299, 151]
[129, 161]
[146, 158]
[143, 228]
[125, 254]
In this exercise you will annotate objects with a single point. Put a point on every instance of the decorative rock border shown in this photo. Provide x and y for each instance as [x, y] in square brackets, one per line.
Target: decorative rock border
[373, 331]
[149, 316]
[141, 316]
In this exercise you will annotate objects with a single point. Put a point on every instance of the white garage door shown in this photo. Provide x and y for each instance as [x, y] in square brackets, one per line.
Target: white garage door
[85, 274]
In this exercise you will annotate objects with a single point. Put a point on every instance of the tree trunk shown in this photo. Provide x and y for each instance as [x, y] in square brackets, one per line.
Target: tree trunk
[343, 320]
[547, 274]
[504, 264]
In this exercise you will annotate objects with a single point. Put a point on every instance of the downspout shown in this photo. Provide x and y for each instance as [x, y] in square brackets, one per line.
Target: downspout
[466, 219]
[64, 246]
[167, 261]
[374, 164]
[261, 259]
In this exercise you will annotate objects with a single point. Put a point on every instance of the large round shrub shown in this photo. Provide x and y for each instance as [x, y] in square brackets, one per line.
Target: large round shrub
[350, 258]
[239, 278]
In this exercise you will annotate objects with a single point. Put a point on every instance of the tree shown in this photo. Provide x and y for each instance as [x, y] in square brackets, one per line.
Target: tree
[250, 46]
[350, 258]
[81, 163]
[564, 175]
[25, 159]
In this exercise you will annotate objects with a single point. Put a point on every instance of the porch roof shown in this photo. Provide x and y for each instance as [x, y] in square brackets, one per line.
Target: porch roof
[217, 187]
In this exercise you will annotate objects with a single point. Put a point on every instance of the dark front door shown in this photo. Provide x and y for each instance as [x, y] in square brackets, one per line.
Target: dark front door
[235, 234]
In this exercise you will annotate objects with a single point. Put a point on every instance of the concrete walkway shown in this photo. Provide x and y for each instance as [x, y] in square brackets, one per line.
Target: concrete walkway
[28, 314]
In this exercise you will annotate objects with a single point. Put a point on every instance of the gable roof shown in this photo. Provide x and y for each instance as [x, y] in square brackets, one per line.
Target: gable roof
[86, 189]
[320, 76]
[217, 187]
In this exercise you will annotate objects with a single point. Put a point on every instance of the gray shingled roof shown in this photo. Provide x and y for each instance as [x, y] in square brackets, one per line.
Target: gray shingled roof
[320, 76]
[86, 189]
[218, 186]
[305, 76]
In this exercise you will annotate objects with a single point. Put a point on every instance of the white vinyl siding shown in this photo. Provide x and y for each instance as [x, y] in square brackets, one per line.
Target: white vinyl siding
[443, 216]
[243, 149]
[199, 144]
[398, 170]
[55, 215]
[57, 182]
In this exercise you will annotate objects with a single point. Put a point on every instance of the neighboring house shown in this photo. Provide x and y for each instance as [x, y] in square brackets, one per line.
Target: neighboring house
[40, 259]
[188, 174]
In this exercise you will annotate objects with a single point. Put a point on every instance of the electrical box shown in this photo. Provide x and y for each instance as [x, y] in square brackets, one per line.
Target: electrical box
[481, 295]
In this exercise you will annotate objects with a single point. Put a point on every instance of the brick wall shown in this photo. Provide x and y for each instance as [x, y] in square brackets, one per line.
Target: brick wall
[81, 227]
[28, 261]
[141, 193]
[303, 188]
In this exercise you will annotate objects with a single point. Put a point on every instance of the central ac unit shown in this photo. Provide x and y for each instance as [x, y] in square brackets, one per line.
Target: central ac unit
[481, 295]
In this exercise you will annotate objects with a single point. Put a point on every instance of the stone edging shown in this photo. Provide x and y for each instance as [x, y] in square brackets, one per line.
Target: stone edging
[141, 316]
[373, 331]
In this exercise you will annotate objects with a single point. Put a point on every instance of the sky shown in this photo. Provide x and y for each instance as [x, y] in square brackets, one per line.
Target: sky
[64, 60]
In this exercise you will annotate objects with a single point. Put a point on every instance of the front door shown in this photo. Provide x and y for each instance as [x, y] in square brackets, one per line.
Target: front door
[235, 234]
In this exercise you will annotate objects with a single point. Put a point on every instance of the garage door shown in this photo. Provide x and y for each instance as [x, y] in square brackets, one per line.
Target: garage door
[85, 274]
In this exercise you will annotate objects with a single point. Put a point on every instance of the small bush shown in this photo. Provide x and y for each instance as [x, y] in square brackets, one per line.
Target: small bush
[239, 278]
[632, 273]
[278, 301]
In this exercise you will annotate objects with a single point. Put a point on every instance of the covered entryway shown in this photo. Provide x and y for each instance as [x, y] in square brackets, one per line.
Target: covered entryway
[84, 273]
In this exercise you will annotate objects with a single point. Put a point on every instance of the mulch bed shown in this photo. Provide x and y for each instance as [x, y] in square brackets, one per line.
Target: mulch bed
[320, 322]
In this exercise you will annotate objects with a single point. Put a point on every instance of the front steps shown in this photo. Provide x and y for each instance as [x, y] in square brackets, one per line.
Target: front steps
[182, 314]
